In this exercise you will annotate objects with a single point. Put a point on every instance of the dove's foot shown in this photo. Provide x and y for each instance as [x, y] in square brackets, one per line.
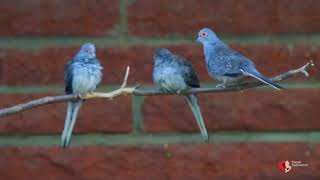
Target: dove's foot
[82, 96]
[221, 86]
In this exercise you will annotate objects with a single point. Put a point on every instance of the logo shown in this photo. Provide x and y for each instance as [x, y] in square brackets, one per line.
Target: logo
[286, 166]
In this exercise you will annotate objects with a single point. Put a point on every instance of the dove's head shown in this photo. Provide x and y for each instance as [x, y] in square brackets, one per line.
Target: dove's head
[206, 35]
[87, 50]
[162, 53]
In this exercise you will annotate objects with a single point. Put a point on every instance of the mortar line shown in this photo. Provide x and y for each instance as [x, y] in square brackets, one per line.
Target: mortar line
[137, 102]
[36, 42]
[162, 138]
[123, 19]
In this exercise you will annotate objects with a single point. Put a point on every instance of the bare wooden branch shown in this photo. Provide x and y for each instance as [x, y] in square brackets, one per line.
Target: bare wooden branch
[138, 92]
[64, 98]
[122, 90]
[239, 87]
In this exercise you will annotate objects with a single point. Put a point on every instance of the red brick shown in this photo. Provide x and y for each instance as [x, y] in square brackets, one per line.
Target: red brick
[1, 74]
[187, 162]
[58, 17]
[100, 115]
[167, 17]
[249, 110]
[45, 66]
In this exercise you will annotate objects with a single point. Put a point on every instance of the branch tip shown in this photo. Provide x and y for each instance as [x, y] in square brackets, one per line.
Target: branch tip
[304, 68]
[126, 77]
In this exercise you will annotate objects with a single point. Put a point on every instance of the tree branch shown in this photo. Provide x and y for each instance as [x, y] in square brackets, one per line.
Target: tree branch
[63, 98]
[133, 90]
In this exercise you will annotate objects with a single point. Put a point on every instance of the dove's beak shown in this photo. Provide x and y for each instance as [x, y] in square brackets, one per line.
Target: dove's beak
[198, 40]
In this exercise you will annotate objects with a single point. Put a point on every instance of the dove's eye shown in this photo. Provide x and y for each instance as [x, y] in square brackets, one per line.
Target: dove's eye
[87, 50]
[204, 34]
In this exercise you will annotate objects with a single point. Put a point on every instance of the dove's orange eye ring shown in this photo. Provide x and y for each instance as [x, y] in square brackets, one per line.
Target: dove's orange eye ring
[204, 34]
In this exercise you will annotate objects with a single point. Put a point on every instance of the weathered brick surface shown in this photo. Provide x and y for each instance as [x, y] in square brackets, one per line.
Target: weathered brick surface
[1, 74]
[95, 116]
[187, 162]
[58, 17]
[167, 17]
[157, 18]
[249, 110]
[45, 66]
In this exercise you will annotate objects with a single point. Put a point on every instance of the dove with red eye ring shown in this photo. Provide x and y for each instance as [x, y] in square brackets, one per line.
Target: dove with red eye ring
[82, 74]
[226, 65]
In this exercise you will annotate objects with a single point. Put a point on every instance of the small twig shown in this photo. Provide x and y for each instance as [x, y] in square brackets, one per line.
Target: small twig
[302, 69]
[112, 94]
[126, 77]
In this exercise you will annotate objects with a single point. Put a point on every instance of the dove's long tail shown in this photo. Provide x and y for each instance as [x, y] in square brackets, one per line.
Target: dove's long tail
[254, 73]
[193, 103]
[72, 112]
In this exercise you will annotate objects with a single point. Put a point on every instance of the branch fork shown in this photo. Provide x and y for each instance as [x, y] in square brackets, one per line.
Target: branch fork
[123, 90]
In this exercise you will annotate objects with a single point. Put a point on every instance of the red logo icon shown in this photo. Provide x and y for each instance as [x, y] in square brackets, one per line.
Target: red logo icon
[284, 166]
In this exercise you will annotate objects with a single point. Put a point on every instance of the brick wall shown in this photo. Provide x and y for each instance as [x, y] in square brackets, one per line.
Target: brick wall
[153, 137]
